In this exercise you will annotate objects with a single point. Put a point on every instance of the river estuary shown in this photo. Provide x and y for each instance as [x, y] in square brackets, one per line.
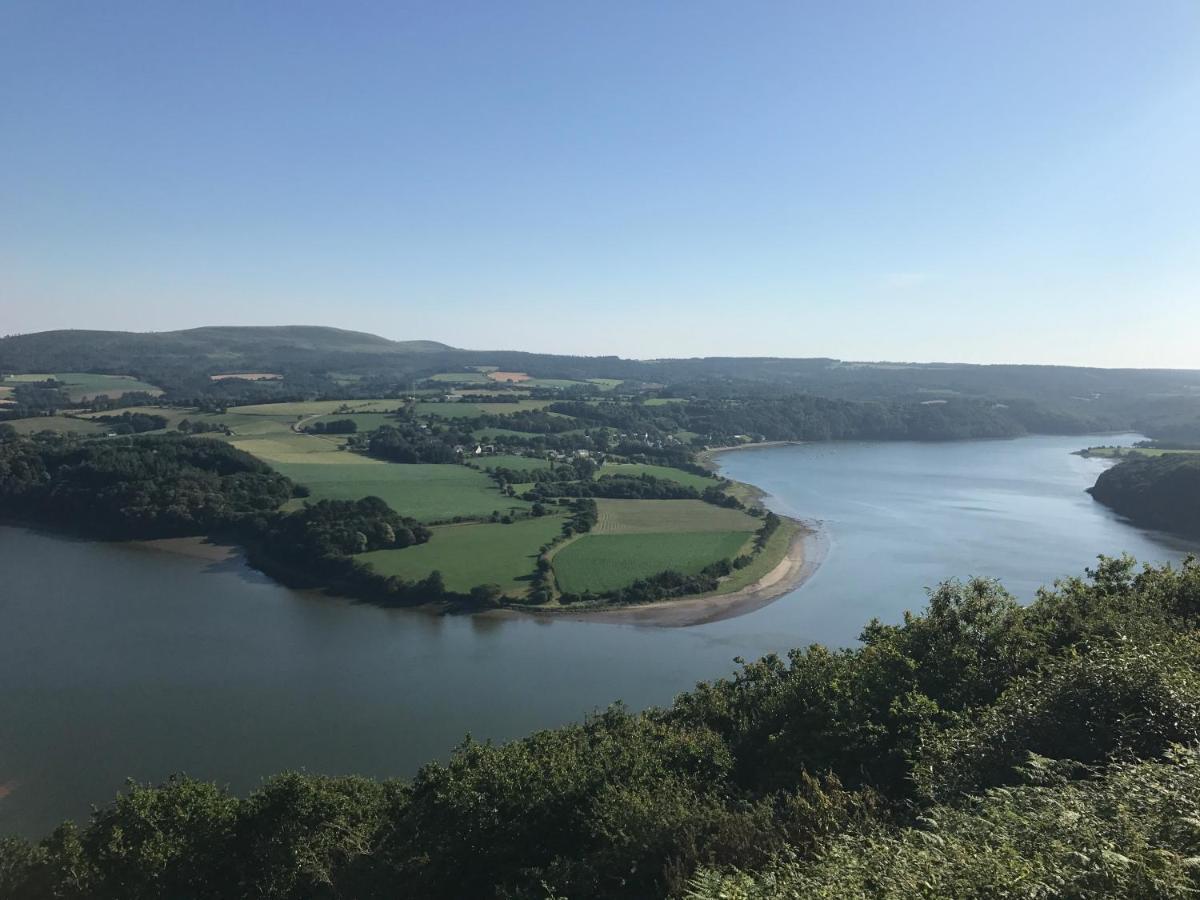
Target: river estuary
[121, 661]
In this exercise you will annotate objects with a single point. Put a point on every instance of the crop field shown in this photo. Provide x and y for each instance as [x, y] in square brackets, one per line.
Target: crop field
[657, 516]
[62, 424]
[604, 562]
[469, 555]
[551, 383]
[699, 482]
[427, 492]
[460, 377]
[466, 410]
[516, 463]
[510, 377]
[317, 407]
[289, 447]
[86, 385]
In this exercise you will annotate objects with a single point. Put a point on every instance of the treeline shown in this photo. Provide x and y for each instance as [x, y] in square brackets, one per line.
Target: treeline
[148, 486]
[1156, 492]
[133, 423]
[409, 441]
[155, 486]
[978, 749]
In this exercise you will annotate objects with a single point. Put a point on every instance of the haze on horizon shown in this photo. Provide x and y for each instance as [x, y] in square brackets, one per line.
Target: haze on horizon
[993, 182]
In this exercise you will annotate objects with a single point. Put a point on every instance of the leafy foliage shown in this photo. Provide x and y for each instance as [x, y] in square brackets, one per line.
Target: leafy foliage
[980, 749]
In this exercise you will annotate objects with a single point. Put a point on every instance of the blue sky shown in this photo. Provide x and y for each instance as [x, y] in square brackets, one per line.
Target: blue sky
[986, 182]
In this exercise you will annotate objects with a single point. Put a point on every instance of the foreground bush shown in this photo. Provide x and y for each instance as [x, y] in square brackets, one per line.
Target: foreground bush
[980, 749]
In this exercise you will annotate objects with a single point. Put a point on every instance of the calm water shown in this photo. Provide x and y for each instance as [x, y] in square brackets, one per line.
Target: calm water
[117, 661]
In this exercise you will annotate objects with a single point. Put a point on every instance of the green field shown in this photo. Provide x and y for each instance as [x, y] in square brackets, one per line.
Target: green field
[86, 385]
[461, 378]
[516, 463]
[470, 555]
[61, 424]
[605, 562]
[606, 384]
[550, 383]
[699, 482]
[463, 409]
[655, 516]
[430, 493]
[317, 407]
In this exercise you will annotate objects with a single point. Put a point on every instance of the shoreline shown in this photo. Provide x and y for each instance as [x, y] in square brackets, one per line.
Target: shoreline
[804, 555]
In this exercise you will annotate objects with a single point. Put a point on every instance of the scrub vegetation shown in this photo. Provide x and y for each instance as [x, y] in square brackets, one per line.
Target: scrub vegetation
[977, 749]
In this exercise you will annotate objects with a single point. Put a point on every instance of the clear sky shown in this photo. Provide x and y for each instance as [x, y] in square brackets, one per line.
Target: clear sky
[977, 181]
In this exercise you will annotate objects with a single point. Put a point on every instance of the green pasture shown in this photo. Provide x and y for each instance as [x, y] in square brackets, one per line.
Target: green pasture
[463, 409]
[461, 378]
[667, 473]
[516, 463]
[553, 383]
[310, 449]
[605, 562]
[474, 554]
[426, 492]
[303, 408]
[606, 384]
[61, 424]
[655, 516]
[86, 385]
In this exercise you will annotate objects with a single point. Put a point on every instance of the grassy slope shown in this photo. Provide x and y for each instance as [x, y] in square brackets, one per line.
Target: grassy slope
[658, 516]
[56, 423]
[469, 555]
[699, 482]
[771, 556]
[516, 463]
[603, 562]
[85, 385]
[427, 492]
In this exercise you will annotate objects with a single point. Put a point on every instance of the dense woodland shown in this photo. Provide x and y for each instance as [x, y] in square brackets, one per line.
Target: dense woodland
[901, 400]
[136, 487]
[1155, 491]
[977, 749]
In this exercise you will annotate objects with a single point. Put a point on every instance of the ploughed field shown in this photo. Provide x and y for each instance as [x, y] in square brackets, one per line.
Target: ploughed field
[483, 531]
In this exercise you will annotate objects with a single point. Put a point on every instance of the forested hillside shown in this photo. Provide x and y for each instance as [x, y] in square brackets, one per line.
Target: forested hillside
[1157, 491]
[977, 749]
[312, 362]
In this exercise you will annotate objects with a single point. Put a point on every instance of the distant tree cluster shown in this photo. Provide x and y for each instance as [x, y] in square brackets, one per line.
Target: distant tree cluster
[408, 442]
[334, 426]
[144, 486]
[336, 528]
[133, 422]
